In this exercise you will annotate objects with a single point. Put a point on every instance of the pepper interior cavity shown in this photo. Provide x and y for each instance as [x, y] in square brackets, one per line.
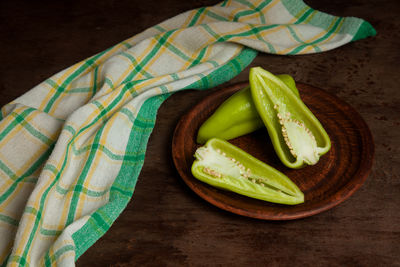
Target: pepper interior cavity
[226, 166]
[298, 137]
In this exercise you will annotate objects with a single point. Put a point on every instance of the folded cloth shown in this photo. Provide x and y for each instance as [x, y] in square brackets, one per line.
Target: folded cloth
[71, 148]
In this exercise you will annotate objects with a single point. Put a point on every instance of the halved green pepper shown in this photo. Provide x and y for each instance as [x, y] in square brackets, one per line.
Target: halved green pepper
[237, 115]
[296, 134]
[223, 165]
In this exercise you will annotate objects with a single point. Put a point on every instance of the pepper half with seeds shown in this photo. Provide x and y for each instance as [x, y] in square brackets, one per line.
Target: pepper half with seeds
[223, 165]
[296, 134]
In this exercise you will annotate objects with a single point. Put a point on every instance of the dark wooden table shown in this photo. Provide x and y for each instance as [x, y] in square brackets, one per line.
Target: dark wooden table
[166, 224]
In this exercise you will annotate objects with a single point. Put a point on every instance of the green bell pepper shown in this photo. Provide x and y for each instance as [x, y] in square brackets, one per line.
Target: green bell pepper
[223, 165]
[237, 115]
[296, 134]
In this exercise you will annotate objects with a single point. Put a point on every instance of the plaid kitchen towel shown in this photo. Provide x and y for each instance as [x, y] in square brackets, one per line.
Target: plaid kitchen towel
[71, 148]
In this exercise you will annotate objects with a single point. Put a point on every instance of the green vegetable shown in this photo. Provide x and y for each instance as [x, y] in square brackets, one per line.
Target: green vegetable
[223, 165]
[297, 135]
[237, 115]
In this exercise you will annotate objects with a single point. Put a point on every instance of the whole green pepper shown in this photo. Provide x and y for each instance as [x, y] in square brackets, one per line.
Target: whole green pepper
[223, 165]
[296, 134]
[237, 115]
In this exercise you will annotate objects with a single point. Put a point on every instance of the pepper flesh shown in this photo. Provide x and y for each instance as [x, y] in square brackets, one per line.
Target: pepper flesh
[223, 165]
[237, 115]
[296, 134]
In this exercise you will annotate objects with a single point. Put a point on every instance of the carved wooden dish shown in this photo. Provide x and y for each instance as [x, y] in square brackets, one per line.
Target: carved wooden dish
[337, 175]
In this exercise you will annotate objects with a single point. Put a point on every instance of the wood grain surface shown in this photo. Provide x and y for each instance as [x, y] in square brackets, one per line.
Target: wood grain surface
[166, 223]
[336, 176]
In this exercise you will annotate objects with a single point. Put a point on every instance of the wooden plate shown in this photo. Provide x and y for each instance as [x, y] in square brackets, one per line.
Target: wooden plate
[337, 175]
